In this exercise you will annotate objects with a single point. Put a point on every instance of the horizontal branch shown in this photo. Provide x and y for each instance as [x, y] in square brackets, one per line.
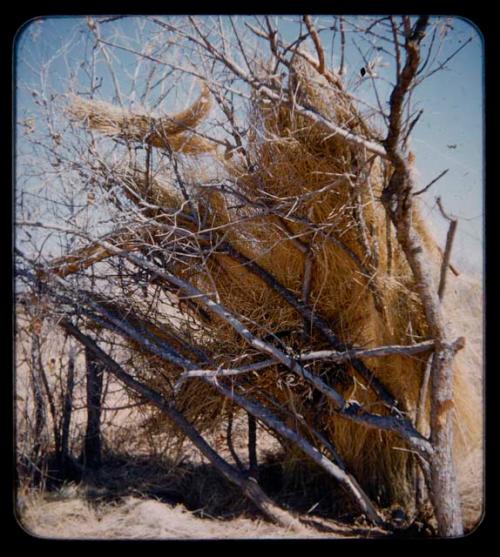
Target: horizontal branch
[333, 355]
[379, 351]
[224, 372]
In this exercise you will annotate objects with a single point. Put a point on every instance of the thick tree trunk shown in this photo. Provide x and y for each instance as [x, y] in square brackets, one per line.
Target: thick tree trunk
[397, 198]
[444, 491]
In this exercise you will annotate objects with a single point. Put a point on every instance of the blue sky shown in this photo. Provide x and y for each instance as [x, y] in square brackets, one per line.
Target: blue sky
[454, 101]
[449, 134]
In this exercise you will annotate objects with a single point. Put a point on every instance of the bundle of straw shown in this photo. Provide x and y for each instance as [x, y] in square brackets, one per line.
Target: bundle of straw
[174, 132]
[313, 220]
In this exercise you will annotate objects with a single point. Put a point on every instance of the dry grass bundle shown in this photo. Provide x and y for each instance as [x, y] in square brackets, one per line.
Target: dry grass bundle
[71, 517]
[312, 209]
[167, 132]
[367, 293]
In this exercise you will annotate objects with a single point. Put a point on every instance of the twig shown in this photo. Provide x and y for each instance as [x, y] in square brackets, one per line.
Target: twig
[388, 244]
[413, 123]
[342, 45]
[432, 182]
[223, 372]
[452, 55]
[396, 46]
[229, 440]
[447, 251]
[306, 284]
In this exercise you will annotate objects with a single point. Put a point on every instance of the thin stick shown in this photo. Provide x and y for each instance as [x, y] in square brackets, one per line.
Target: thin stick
[447, 251]
[253, 469]
[388, 247]
[229, 440]
[306, 285]
[342, 45]
[67, 406]
[432, 182]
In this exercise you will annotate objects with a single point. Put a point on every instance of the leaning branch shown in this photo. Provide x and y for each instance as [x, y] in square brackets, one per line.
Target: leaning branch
[250, 488]
[317, 43]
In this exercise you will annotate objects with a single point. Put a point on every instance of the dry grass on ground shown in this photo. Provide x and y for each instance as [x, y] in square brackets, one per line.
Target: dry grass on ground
[135, 518]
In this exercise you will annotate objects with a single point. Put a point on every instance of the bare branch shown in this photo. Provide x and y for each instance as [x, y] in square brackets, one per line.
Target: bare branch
[447, 252]
[317, 43]
[342, 45]
[432, 182]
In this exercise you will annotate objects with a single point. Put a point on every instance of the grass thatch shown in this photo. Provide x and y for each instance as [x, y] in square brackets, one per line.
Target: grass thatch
[325, 193]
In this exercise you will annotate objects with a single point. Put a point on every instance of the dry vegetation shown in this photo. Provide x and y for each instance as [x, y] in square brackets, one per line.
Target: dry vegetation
[237, 298]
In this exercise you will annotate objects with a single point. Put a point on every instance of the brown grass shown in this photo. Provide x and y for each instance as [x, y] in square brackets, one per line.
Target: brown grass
[364, 290]
[167, 132]
[136, 518]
